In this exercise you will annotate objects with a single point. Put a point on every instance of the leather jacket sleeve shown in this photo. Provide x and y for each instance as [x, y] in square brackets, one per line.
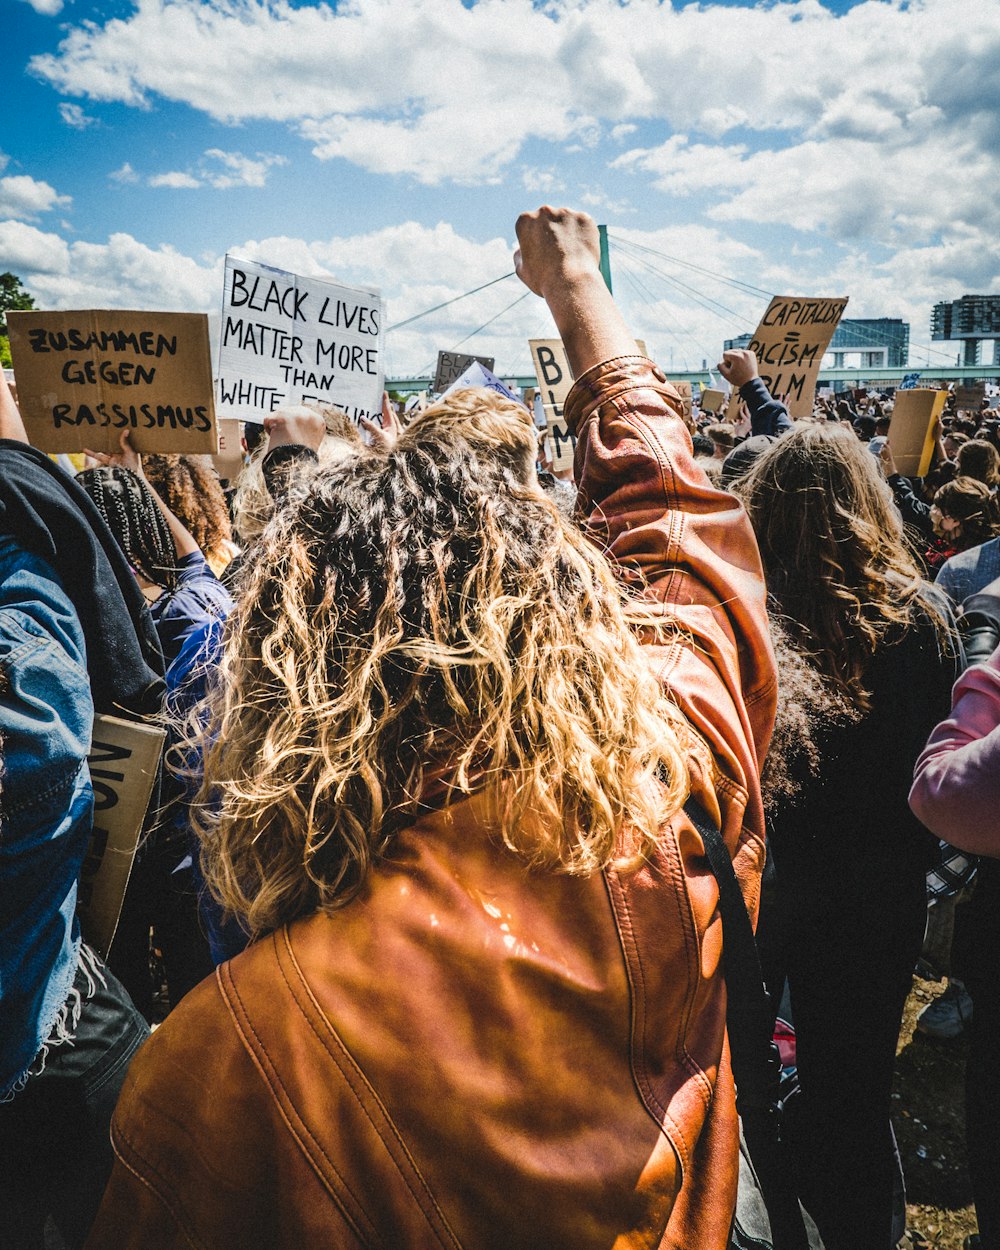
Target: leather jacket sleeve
[679, 541]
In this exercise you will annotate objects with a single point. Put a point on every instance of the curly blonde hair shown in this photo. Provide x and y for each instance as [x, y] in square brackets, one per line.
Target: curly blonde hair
[836, 558]
[415, 627]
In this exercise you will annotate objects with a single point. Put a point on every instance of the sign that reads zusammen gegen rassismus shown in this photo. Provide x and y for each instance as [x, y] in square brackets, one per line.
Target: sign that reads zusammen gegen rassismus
[789, 344]
[83, 377]
[289, 339]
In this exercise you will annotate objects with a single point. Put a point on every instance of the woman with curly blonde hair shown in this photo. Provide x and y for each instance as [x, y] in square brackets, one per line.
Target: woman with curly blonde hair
[451, 742]
[850, 858]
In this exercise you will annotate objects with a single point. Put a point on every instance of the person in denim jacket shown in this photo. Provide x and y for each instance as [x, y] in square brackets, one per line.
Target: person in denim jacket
[67, 1030]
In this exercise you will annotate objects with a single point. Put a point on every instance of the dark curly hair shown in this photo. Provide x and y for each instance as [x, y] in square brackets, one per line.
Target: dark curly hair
[190, 487]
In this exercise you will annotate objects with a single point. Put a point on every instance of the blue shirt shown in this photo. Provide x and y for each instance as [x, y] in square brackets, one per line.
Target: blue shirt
[970, 571]
[198, 599]
[46, 802]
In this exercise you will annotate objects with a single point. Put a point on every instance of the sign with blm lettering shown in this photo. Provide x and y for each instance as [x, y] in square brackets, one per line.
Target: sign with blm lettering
[124, 757]
[911, 430]
[555, 381]
[83, 377]
[289, 339]
[789, 344]
[452, 365]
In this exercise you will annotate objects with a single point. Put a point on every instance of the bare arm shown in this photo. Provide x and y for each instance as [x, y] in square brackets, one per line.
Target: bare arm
[11, 425]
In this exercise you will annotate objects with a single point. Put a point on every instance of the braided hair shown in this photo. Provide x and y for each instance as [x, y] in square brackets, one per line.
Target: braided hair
[132, 514]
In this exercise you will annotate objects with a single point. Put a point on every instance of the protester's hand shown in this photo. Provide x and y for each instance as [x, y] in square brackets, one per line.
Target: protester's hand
[887, 460]
[743, 423]
[555, 245]
[738, 366]
[296, 425]
[386, 436]
[127, 458]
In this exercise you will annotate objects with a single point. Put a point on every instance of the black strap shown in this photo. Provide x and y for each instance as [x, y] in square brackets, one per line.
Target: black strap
[756, 1064]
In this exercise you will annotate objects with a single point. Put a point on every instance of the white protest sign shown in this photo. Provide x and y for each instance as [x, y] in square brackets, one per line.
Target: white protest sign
[289, 339]
[479, 375]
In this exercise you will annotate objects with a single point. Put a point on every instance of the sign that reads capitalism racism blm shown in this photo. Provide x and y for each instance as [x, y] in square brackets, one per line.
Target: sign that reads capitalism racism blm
[83, 377]
[789, 344]
[289, 339]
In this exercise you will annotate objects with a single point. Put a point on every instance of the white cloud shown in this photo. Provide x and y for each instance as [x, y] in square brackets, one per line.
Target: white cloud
[122, 273]
[176, 178]
[74, 116]
[220, 170]
[25, 197]
[47, 8]
[124, 175]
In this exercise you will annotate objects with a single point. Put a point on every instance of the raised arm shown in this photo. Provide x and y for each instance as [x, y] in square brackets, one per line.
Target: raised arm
[674, 537]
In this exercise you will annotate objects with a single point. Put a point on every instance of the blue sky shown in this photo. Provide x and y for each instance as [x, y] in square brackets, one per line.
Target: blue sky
[793, 147]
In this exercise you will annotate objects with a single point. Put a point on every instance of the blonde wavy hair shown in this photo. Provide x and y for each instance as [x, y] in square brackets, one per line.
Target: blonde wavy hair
[838, 564]
[415, 627]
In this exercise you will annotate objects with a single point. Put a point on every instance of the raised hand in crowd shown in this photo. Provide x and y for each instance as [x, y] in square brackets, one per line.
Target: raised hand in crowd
[298, 425]
[738, 366]
[385, 436]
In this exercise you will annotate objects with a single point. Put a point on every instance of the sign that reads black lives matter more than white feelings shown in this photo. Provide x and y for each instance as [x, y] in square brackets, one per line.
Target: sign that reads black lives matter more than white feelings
[288, 339]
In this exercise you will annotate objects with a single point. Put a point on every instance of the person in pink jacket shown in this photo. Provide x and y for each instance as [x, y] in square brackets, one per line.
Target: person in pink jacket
[956, 794]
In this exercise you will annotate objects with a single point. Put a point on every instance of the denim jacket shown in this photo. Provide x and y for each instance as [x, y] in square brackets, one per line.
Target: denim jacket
[46, 802]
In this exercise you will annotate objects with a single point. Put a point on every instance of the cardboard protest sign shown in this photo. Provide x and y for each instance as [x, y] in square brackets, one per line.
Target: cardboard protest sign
[452, 365]
[970, 395]
[687, 403]
[228, 460]
[555, 381]
[478, 375]
[789, 344]
[911, 431]
[910, 381]
[124, 756]
[712, 400]
[289, 339]
[83, 377]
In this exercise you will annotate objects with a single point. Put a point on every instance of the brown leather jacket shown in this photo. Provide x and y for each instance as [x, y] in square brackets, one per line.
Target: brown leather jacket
[473, 1055]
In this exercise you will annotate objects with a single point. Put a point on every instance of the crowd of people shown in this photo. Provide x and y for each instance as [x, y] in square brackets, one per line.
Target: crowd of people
[425, 939]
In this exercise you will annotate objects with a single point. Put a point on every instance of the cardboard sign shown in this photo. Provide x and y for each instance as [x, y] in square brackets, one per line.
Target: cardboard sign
[288, 339]
[712, 400]
[452, 365]
[910, 381]
[789, 344]
[478, 375]
[83, 377]
[555, 381]
[228, 460]
[911, 431]
[969, 395]
[687, 403]
[124, 757]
